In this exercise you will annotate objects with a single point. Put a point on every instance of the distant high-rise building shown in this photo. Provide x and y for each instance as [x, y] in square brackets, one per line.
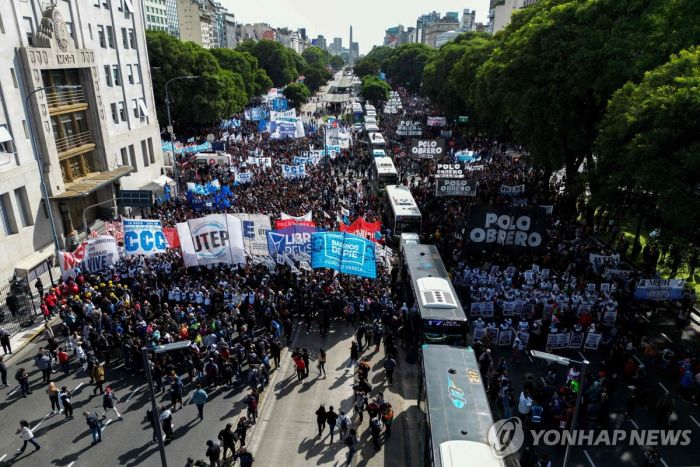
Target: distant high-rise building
[500, 12]
[200, 22]
[468, 22]
[156, 15]
[337, 46]
[321, 43]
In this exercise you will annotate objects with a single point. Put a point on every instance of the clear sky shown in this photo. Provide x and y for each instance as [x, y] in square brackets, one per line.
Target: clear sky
[332, 18]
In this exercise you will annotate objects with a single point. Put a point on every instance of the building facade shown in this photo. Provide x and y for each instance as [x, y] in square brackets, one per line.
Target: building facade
[76, 100]
[198, 22]
[156, 15]
[500, 12]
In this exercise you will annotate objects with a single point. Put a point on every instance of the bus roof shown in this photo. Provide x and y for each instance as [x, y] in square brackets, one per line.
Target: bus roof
[376, 138]
[402, 201]
[461, 453]
[378, 153]
[384, 165]
[457, 407]
[436, 297]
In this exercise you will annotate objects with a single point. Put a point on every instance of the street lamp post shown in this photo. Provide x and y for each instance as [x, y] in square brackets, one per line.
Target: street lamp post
[176, 171]
[154, 404]
[550, 357]
[40, 161]
[85, 226]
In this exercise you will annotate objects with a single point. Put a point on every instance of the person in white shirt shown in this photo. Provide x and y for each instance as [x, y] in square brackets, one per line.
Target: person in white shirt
[27, 436]
[525, 404]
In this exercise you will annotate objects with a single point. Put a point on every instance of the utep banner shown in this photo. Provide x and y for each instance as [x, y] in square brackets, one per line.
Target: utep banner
[144, 237]
[94, 255]
[427, 148]
[409, 128]
[293, 171]
[345, 253]
[213, 239]
[294, 241]
[455, 187]
[255, 228]
[362, 228]
[523, 227]
[659, 289]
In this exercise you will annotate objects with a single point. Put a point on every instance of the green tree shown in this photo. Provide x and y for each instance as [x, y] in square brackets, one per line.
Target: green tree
[405, 65]
[315, 56]
[336, 62]
[279, 64]
[247, 45]
[648, 149]
[297, 94]
[559, 61]
[315, 76]
[241, 63]
[374, 89]
[263, 83]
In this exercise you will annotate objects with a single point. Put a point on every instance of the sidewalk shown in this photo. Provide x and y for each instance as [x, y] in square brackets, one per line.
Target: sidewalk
[286, 433]
[21, 339]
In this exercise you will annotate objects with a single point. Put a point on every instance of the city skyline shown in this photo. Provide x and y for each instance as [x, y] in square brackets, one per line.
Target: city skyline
[334, 20]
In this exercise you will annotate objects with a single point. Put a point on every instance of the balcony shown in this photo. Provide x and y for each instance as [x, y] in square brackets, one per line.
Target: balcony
[74, 144]
[63, 101]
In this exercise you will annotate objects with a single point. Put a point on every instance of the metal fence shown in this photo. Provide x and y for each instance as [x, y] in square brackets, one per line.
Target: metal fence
[18, 306]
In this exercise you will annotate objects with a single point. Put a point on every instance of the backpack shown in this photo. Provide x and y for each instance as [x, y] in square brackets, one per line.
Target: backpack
[18, 375]
[92, 421]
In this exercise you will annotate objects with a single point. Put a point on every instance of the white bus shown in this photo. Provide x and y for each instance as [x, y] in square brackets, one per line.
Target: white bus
[382, 173]
[401, 213]
[376, 141]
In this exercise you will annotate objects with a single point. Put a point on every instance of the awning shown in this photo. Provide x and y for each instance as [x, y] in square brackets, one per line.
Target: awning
[164, 180]
[93, 182]
[4, 134]
[142, 106]
[336, 98]
[31, 261]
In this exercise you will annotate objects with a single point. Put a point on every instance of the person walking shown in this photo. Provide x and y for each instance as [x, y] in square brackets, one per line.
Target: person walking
[375, 427]
[52, 391]
[321, 419]
[43, 363]
[98, 375]
[199, 398]
[321, 362]
[109, 402]
[166, 422]
[351, 441]
[360, 406]
[64, 396]
[213, 453]
[344, 424]
[251, 401]
[5, 342]
[228, 440]
[63, 360]
[242, 429]
[388, 419]
[176, 390]
[389, 366]
[354, 353]
[245, 457]
[331, 420]
[23, 379]
[305, 358]
[95, 426]
[3, 371]
[27, 436]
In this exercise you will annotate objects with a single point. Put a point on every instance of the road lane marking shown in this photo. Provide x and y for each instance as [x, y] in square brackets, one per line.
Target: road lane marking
[644, 317]
[13, 391]
[5, 455]
[133, 393]
[42, 421]
[664, 387]
[107, 422]
[695, 420]
[589, 458]
[666, 337]
[71, 464]
[78, 387]
[636, 427]
[638, 360]
[663, 461]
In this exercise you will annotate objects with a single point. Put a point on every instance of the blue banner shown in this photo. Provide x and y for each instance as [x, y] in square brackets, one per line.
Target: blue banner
[293, 171]
[343, 252]
[256, 114]
[467, 156]
[279, 104]
[292, 241]
[280, 129]
[143, 237]
[208, 189]
[230, 123]
[262, 125]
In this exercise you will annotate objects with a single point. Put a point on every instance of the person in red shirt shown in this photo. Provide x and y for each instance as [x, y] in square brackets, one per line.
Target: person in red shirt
[63, 360]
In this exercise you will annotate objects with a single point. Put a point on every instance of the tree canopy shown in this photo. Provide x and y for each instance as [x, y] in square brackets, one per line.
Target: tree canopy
[279, 62]
[650, 129]
[297, 94]
[402, 65]
[374, 89]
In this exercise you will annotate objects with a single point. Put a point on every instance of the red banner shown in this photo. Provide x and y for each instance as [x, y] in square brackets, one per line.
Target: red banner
[362, 228]
[284, 223]
[172, 237]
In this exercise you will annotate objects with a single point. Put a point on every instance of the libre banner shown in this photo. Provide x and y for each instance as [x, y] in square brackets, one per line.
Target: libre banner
[343, 252]
[213, 239]
[362, 228]
[427, 148]
[92, 256]
[255, 228]
[144, 237]
[294, 241]
[500, 225]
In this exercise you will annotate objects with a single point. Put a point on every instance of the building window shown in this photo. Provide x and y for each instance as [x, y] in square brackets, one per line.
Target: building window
[25, 213]
[5, 140]
[108, 76]
[132, 156]
[8, 217]
[132, 38]
[144, 152]
[105, 4]
[125, 157]
[101, 36]
[125, 39]
[26, 130]
[115, 115]
[2, 26]
[137, 73]
[110, 37]
[122, 111]
[117, 75]
[14, 77]
[120, 5]
[96, 3]
[135, 107]
[130, 74]
[90, 30]
[29, 30]
[151, 153]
